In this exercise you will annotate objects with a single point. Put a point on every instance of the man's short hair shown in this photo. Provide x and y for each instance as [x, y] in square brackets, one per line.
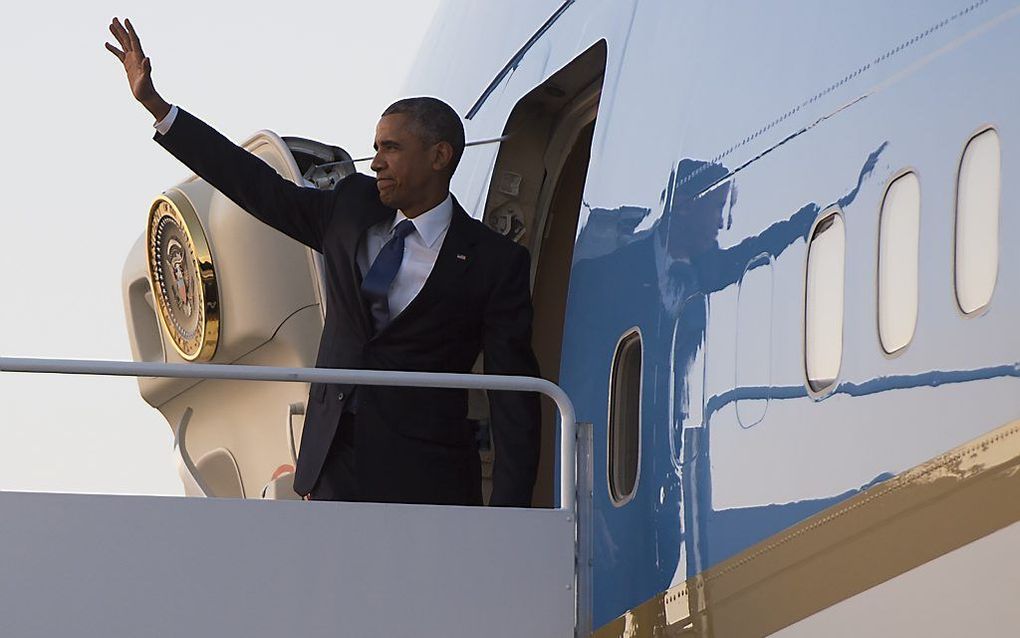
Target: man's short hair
[434, 121]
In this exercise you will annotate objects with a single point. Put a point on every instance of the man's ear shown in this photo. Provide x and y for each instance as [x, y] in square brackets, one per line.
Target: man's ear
[442, 155]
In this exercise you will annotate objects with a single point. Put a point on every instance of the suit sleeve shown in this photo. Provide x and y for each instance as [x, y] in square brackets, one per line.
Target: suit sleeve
[298, 212]
[515, 416]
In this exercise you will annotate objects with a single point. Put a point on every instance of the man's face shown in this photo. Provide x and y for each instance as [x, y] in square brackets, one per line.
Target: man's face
[403, 164]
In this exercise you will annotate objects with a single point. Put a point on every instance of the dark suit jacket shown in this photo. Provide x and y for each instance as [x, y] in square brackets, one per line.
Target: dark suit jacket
[411, 444]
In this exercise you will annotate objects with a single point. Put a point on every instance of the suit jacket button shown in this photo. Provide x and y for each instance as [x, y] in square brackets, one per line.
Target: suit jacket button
[340, 397]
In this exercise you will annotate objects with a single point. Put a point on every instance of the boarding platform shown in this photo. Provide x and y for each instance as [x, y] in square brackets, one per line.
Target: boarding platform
[101, 565]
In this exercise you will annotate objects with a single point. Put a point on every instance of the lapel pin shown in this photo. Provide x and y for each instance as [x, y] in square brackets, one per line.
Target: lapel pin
[462, 257]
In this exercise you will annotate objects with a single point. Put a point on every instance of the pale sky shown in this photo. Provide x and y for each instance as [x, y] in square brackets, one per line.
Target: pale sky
[81, 170]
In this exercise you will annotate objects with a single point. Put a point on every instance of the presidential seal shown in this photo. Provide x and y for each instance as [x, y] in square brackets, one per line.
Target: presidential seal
[182, 276]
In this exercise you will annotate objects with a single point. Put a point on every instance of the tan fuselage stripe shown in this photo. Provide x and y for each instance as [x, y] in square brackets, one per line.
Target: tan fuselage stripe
[893, 527]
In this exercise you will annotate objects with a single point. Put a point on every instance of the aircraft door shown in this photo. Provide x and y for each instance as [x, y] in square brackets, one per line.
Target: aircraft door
[209, 283]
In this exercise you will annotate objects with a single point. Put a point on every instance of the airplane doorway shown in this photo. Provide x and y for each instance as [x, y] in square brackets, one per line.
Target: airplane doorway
[535, 198]
[550, 294]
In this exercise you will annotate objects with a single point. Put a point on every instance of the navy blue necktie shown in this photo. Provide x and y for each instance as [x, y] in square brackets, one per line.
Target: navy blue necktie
[379, 278]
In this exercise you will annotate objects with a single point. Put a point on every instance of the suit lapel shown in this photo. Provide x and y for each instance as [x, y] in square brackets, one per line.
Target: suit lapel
[455, 256]
[352, 245]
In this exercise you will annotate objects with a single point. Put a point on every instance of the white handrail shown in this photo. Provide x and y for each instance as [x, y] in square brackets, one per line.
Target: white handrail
[568, 421]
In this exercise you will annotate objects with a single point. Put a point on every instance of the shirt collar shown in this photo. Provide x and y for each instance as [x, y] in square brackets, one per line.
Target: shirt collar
[432, 223]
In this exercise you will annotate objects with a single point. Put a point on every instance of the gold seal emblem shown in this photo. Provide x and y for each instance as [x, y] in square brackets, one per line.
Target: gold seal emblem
[182, 276]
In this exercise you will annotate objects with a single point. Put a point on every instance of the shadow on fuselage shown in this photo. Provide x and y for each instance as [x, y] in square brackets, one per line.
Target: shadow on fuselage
[660, 280]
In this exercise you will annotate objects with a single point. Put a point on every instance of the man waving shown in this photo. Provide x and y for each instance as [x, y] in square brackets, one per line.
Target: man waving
[413, 283]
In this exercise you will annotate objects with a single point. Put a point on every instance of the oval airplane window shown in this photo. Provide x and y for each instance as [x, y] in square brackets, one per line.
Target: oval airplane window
[754, 340]
[625, 418]
[823, 303]
[898, 245]
[977, 221]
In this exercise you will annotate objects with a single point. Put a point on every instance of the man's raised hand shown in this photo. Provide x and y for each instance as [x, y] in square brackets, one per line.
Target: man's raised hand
[138, 67]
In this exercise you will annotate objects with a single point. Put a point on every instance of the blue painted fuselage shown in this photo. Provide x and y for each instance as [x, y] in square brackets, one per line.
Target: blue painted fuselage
[723, 132]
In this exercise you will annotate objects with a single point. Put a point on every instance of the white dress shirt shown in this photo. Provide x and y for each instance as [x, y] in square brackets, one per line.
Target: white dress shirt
[421, 248]
[163, 126]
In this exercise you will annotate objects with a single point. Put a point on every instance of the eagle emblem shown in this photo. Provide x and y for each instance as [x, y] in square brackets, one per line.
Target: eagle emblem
[182, 277]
